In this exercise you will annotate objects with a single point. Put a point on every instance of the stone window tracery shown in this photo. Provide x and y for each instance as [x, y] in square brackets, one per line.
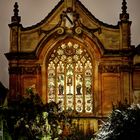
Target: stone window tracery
[70, 78]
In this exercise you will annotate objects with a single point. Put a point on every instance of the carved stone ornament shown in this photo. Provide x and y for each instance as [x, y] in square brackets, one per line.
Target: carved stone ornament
[25, 70]
[78, 30]
[114, 68]
[69, 18]
[124, 16]
[16, 18]
[69, 23]
[60, 30]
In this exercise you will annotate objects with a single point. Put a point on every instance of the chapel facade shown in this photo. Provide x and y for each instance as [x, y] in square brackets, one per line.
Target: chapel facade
[73, 58]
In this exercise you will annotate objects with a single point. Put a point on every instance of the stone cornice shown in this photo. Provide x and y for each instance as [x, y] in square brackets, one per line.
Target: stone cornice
[20, 55]
[128, 52]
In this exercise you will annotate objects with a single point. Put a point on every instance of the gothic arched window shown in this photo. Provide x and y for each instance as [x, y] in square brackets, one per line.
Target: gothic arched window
[70, 78]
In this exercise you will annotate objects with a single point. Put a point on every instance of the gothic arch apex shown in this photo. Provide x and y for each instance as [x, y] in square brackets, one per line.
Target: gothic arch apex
[93, 46]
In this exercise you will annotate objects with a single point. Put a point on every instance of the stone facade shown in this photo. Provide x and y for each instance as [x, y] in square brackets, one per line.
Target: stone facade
[116, 62]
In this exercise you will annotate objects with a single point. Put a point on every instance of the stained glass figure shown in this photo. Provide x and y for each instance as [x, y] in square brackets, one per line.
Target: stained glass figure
[70, 78]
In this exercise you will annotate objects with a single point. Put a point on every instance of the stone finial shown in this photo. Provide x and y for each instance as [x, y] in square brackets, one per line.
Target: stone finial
[124, 7]
[16, 18]
[124, 16]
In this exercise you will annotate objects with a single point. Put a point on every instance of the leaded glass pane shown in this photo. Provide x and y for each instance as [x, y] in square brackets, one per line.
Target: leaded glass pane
[51, 82]
[88, 103]
[69, 87]
[70, 78]
[60, 89]
[79, 92]
[88, 88]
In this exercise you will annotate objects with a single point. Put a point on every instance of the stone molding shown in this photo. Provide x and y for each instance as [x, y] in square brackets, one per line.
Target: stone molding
[33, 70]
[114, 68]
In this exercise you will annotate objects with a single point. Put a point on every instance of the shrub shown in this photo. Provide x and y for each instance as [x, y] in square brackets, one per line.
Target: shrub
[123, 123]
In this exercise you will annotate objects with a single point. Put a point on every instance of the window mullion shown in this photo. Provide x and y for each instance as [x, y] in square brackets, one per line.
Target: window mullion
[83, 89]
[65, 96]
[74, 90]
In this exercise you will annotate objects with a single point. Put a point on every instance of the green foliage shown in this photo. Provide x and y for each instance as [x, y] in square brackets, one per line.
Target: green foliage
[27, 118]
[21, 112]
[123, 123]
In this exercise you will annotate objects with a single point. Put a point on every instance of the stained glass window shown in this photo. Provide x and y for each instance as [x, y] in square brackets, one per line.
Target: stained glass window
[70, 78]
